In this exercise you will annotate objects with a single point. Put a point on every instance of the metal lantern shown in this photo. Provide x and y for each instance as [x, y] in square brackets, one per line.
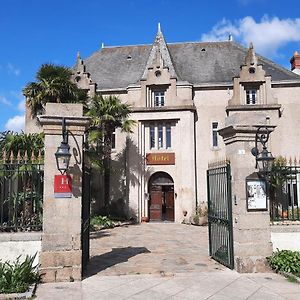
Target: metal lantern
[264, 158]
[63, 155]
[264, 161]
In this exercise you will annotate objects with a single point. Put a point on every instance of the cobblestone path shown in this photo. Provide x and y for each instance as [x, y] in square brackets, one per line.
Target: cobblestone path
[152, 248]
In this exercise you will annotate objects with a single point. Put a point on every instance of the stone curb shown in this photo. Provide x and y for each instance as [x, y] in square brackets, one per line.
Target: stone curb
[26, 295]
[286, 275]
[119, 224]
[20, 236]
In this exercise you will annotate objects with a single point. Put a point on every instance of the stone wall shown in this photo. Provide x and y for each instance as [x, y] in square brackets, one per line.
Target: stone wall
[20, 243]
[285, 237]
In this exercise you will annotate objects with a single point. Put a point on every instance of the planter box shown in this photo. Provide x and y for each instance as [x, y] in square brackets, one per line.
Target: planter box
[26, 295]
[200, 221]
[144, 219]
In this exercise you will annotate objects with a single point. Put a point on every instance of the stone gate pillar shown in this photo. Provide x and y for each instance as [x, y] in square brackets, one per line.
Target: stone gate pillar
[251, 229]
[61, 255]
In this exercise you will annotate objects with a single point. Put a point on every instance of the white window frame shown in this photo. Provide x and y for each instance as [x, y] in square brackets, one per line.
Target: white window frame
[168, 136]
[159, 98]
[161, 134]
[215, 134]
[251, 96]
[152, 136]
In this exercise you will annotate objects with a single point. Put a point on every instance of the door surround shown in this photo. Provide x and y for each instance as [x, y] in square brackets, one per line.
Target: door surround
[161, 201]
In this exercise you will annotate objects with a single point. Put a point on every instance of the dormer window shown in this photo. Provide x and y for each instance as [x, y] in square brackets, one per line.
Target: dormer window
[251, 96]
[159, 98]
[156, 95]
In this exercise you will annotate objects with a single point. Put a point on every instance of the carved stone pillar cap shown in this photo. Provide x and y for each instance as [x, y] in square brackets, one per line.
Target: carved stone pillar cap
[53, 124]
[241, 133]
[57, 120]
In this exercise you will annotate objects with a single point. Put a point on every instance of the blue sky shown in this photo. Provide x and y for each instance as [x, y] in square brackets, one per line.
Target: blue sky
[34, 32]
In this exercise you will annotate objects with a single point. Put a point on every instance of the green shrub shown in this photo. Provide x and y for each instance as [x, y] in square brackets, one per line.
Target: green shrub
[17, 276]
[285, 261]
[101, 222]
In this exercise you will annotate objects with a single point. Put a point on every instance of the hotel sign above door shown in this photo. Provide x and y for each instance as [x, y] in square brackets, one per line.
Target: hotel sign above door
[160, 158]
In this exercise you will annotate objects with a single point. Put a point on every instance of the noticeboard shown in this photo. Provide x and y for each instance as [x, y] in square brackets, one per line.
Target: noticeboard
[256, 195]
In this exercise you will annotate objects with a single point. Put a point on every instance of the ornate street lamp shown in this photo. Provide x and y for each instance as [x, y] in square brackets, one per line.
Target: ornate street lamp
[264, 158]
[63, 155]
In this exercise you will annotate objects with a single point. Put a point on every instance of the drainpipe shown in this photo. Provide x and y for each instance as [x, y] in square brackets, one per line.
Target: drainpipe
[195, 157]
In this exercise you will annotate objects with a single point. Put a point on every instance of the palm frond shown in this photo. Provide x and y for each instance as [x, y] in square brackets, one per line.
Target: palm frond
[53, 85]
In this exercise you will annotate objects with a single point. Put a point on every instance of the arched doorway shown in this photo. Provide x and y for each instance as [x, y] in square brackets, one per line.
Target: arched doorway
[161, 202]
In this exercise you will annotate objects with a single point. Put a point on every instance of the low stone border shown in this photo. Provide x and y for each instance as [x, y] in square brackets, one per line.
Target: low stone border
[118, 224]
[285, 228]
[20, 236]
[26, 295]
[287, 275]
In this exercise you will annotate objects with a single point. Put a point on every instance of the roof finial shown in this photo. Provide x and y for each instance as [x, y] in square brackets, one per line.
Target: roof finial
[158, 27]
[78, 55]
[251, 58]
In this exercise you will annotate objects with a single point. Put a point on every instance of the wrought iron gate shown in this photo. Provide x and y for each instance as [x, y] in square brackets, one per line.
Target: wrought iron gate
[85, 214]
[220, 214]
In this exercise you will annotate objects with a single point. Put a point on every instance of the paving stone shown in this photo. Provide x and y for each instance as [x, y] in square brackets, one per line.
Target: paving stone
[151, 248]
[176, 266]
[241, 288]
[265, 294]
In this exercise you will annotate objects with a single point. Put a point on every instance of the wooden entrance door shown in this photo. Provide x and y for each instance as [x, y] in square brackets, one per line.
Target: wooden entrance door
[169, 205]
[155, 205]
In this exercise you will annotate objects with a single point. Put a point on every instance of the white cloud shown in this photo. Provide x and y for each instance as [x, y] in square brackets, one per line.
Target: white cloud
[13, 70]
[16, 123]
[21, 105]
[268, 35]
[5, 101]
[221, 31]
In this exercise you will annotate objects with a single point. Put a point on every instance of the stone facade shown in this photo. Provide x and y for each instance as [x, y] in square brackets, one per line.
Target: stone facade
[61, 249]
[181, 95]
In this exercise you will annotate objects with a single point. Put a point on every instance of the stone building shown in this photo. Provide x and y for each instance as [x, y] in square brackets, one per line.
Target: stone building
[181, 95]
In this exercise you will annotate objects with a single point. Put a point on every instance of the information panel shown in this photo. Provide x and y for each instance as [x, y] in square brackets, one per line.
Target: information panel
[256, 195]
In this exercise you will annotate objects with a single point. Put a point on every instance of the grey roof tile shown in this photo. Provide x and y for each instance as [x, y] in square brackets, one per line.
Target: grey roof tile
[197, 63]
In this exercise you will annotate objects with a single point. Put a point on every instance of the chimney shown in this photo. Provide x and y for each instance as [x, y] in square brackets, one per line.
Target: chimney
[295, 63]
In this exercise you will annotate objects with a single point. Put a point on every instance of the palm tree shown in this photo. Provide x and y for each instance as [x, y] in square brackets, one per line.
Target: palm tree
[277, 180]
[53, 85]
[14, 143]
[21, 177]
[107, 114]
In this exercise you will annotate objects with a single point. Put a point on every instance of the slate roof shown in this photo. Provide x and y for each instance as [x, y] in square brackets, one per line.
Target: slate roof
[196, 63]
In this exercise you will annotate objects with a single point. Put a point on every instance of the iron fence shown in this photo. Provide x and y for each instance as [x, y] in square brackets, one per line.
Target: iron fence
[21, 195]
[284, 191]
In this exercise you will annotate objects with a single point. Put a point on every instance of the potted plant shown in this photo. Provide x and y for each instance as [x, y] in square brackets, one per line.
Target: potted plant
[145, 219]
[201, 216]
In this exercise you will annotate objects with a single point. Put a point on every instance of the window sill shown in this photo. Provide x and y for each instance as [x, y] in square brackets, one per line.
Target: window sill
[217, 148]
[246, 107]
[160, 150]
